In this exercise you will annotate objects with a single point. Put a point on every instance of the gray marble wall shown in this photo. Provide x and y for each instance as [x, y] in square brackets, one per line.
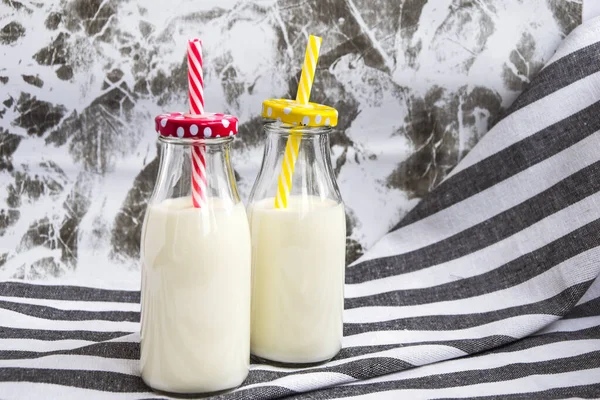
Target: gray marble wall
[417, 84]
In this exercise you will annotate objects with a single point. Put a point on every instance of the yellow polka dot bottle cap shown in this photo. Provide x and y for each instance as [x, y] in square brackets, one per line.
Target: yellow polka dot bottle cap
[293, 113]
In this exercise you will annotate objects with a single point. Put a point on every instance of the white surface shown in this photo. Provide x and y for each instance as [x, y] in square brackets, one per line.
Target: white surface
[591, 9]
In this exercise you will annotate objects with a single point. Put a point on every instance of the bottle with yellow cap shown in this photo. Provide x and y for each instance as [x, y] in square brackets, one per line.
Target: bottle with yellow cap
[298, 230]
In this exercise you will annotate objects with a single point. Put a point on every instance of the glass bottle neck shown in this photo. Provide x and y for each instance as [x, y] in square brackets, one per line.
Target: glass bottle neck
[307, 158]
[176, 165]
[312, 140]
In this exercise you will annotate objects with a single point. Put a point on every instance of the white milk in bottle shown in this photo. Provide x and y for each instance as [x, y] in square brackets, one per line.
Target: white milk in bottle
[298, 267]
[196, 296]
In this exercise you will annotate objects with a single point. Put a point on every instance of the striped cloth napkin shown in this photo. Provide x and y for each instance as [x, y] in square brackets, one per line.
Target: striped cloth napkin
[487, 285]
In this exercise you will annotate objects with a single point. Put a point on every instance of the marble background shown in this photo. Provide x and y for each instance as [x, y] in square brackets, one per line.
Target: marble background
[417, 84]
[591, 9]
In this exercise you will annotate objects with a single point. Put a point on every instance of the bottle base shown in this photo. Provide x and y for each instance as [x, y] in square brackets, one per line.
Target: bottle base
[190, 395]
[262, 360]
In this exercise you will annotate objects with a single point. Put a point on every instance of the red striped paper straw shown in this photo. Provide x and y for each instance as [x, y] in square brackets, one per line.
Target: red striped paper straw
[196, 95]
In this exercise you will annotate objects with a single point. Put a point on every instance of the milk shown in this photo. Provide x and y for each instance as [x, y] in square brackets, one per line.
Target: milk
[298, 260]
[195, 333]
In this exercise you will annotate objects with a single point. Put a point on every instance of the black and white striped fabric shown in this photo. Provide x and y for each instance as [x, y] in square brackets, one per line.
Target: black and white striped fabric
[487, 286]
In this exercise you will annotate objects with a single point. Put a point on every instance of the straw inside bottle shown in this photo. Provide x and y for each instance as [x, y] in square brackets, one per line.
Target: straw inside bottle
[196, 98]
[292, 148]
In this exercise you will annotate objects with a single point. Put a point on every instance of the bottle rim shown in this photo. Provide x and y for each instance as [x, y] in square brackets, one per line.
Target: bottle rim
[195, 141]
[271, 126]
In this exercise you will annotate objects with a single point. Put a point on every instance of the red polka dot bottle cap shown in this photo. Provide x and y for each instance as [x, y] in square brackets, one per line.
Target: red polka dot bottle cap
[188, 126]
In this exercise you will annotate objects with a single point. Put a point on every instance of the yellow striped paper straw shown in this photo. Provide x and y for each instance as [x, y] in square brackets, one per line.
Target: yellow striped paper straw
[284, 183]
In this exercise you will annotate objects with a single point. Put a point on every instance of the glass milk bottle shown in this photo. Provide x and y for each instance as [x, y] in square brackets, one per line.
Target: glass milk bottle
[195, 328]
[298, 230]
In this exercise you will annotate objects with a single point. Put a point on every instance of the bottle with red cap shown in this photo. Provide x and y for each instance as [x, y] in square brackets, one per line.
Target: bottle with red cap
[195, 328]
